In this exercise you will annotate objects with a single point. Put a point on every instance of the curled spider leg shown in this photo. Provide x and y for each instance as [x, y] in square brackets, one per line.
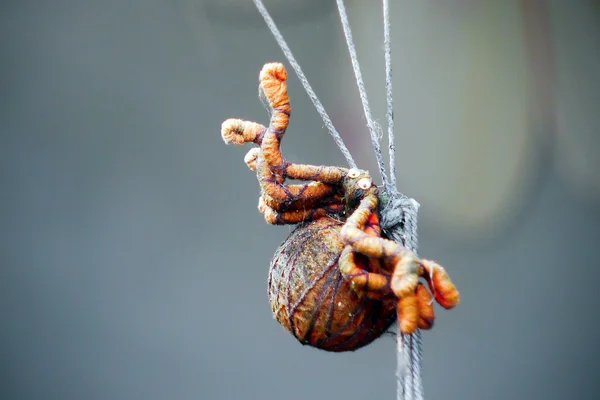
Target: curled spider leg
[270, 185]
[322, 174]
[291, 204]
[425, 306]
[407, 269]
[291, 217]
[440, 284]
[251, 157]
[273, 83]
[273, 186]
[361, 279]
[294, 208]
[405, 275]
[251, 160]
[335, 203]
[273, 77]
[413, 308]
[238, 132]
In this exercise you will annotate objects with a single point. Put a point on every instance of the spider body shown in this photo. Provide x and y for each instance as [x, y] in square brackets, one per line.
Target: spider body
[336, 282]
[312, 300]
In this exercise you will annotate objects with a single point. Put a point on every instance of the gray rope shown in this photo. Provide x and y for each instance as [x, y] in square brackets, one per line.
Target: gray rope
[400, 224]
[320, 109]
[374, 128]
[389, 96]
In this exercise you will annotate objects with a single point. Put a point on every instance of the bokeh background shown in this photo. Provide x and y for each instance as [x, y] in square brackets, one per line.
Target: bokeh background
[133, 258]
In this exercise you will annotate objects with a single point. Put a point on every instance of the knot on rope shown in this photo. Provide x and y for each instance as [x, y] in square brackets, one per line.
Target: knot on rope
[399, 218]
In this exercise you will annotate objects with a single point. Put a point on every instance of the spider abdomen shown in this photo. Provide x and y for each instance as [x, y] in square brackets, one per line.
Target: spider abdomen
[311, 299]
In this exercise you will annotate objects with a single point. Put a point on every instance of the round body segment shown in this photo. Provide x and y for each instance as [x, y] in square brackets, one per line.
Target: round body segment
[311, 299]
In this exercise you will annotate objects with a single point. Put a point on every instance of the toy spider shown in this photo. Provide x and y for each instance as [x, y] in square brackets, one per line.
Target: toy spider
[336, 282]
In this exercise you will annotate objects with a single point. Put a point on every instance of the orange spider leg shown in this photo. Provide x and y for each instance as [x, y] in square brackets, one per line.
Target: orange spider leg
[294, 208]
[321, 173]
[372, 227]
[238, 132]
[376, 288]
[425, 305]
[361, 278]
[440, 284]
[405, 275]
[273, 79]
[408, 313]
[276, 192]
[371, 281]
[406, 272]
[310, 172]
[334, 203]
[288, 193]
[251, 157]
[275, 217]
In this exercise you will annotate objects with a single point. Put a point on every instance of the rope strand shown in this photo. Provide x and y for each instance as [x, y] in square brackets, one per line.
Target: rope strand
[389, 93]
[290, 57]
[409, 347]
[374, 129]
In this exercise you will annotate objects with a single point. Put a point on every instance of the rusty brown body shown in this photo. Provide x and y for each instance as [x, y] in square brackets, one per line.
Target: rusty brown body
[312, 300]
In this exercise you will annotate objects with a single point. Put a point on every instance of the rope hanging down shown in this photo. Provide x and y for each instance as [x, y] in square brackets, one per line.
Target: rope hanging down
[374, 128]
[409, 347]
[389, 96]
[399, 212]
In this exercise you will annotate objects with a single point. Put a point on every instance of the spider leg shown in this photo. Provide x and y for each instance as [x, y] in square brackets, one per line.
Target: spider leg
[275, 192]
[440, 284]
[336, 200]
[414, 307]
[296, 203]
[335, 203]
[251, 158]
[371, 281]
[272, 186]
[300, 171]
[406, 263]
[375, 283]
[416, 310]
[238, 132]
[406, 271]
[361, 278]
[425, 306]
[276, 217]
[273, 79]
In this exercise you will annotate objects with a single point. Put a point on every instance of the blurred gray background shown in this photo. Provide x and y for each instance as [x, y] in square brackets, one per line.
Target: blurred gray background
[134, 260]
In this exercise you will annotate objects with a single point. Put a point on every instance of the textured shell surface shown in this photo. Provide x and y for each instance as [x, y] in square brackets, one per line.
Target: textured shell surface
[310, 298]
